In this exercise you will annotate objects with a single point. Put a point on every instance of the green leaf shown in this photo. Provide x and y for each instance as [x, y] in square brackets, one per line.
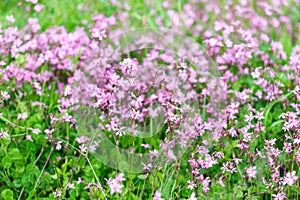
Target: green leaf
[21, 59]
[15, 155]
[143, 176]
[59, 171]
[123, 165]
[270, 106]
[134, 197]
[5, 141]
[30, 176]
[5, 179]
[284, 79]
[6, 162]
[286, 41]
[31, 194]
[185, 193]
[17, 183]
[167, 190]
[239, 194]
[7, 194]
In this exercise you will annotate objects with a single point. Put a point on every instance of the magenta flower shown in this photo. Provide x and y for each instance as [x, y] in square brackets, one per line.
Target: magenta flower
[58, 146]
[157, 196]
[115, 184]
[3, 134]
[279, 196]
[4, 95]
[193, 196]
[290, 178]
[98, 34]
[22, 116]
[251, 171]
[35, 131]
[70, 186]
[38, 7]
[28, 137]
[32, 1]
[10, 18]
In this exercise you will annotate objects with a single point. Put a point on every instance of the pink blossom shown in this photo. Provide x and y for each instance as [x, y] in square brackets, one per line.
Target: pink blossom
[32, 1]
[193, 196]
[98, 34]
[3, 134]
[157, 196]
[79, 181]
[49, 131]
[83, 148]
[35, 131]
[115, 184]
[146, 146]
[279, 196]
[251, 171]
[38, 7]
[10, 18]
[22, 116]
[4, 95]
[290, 178]
[28, 137]
[191, 185]
[70, 186]
[205, 183]
[58, 146]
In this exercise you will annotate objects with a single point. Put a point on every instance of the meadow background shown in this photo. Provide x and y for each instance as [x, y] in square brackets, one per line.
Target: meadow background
[255, 45]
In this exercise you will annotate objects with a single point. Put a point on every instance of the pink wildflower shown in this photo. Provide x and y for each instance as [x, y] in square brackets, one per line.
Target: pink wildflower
[115, 184]
[290, 178]
[157, 196]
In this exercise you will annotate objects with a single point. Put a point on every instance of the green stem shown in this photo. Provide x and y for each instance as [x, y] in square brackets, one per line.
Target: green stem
[9, 122]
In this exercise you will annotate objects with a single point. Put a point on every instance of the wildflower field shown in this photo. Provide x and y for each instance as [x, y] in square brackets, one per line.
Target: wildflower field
[153, 99]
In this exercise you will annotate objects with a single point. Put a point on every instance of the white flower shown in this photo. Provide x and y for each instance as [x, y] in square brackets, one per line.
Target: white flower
[22, 115]
[154, 153]
[5, 95]
[279, 196]
[259, 115]
[35, 130]
[58, 146]
[193, 196]
[249, 118]
[147, 167]
[3, 134]
[290, 178]
[10, 19]
[120, 131]
[191, 185]
[251, 171]
[99, 34]
[83, 148]
[71, 186]
[57, 193]
[146, 146]
[256, 73]
[157, 196]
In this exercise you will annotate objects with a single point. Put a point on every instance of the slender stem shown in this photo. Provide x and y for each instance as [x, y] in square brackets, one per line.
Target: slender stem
[7, 121]
[165, 167]
[48, 158]
[96, 176]
[85, 155]
[42, 150]
[143, 189]
[237, 166]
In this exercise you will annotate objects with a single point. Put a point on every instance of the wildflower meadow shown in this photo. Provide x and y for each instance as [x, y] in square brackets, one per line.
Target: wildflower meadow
[149, 99]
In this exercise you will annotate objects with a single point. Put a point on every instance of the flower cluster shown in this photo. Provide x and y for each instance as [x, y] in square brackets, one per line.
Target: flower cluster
[238, 125]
